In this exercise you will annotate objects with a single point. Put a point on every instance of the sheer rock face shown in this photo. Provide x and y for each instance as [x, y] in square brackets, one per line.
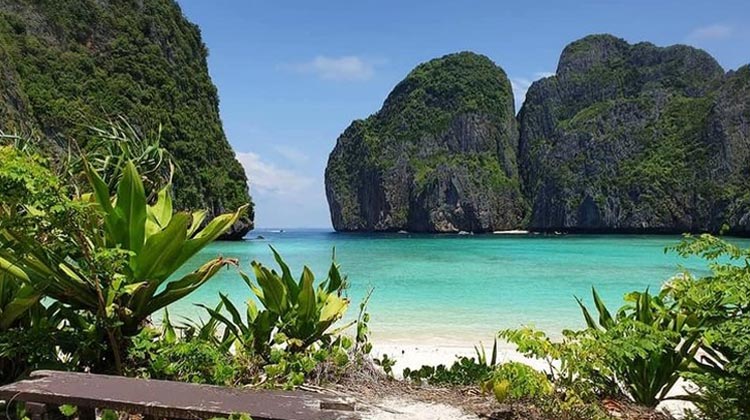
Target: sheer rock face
[623, 138]
[440, 156]
[71, 63]
[728, 132]
[635, 138]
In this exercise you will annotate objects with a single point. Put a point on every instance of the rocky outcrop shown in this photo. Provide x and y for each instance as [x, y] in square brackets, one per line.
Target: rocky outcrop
[635, 138]
[623, 138]
[68, 64]
[440, 156]
[728, 132]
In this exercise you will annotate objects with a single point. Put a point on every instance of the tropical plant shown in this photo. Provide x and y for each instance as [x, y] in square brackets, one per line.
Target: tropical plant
[463, 371]
[110, 149]
[120, 254]
[482, 354]
[25, 330]
[512, 381]
[33, 201]
[722, 299]
[647, 344]
[574, 363]
[156, 354]
[294, 313]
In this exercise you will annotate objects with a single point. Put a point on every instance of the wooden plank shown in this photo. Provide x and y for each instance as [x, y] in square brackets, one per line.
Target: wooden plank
[171, 399]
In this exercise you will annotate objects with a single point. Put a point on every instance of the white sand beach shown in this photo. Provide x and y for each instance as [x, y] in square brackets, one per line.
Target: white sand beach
[415, 355]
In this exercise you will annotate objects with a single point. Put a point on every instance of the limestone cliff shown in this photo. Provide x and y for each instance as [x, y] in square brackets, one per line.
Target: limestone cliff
[440, 156]
[68, 64]
[635, 138]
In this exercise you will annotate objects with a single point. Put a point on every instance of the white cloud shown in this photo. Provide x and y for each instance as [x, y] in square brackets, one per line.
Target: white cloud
[265, 177]
[711, 32]
[292, 154]
[521, 85]
[345, 68]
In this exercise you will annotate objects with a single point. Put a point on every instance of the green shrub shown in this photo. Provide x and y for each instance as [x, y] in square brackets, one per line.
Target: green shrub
[517, 381]
[109, 258]
[464, 371]
[647, 344]
[152, 355]
[722, 298]
[293, 313]
[288, 337]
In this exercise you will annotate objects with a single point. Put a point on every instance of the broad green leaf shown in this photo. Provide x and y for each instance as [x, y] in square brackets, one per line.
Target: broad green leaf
[589, 319]
[306, 299]
[286, 275]
[101, 191]
[274, 292]
[13, 270]
[252, 310]
[605, 319]
[178, 289]
[258, 292]
[129, 289]
[234, 313]
[70, 273]
[197, 221]
[334, 278]
[162, 209]
[23, 300]
[208, 234]
[158, 257]
[131, 204]
[170, 335]
[333, 309]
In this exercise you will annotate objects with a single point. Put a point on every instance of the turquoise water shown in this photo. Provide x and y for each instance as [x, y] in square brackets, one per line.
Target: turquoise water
[458, 289]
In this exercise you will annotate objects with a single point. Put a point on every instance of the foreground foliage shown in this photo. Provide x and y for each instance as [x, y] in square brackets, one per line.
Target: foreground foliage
[284, 340]
[109, 258]
[722, 299]
[294, 312]
[86, 259]
[695, 328]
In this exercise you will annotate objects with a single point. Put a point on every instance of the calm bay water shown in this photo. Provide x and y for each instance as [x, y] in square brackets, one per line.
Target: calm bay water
[451, 289]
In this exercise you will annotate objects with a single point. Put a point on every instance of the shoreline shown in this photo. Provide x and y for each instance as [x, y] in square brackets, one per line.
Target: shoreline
[519, 232]
[414, 355]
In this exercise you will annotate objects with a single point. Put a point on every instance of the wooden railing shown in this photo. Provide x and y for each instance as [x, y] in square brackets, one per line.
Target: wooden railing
[45, 391]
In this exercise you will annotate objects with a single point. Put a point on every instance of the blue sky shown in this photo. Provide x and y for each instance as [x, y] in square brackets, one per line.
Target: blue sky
[292, 75]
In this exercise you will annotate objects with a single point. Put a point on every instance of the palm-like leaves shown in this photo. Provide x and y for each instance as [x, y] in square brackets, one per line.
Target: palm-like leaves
[297, 310]
[665, 339]
[16, 299]
[129, 251]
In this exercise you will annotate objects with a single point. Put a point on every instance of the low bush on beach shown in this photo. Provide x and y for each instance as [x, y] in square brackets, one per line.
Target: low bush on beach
[285, 339]
[517, 381]
[722, 300]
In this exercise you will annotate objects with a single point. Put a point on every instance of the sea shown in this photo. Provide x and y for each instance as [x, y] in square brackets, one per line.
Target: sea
[454, 290]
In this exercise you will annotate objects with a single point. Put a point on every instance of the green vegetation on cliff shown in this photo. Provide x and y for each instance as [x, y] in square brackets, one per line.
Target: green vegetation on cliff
[625, 138]
[432, 94]
[63, 64]
[439, 156]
